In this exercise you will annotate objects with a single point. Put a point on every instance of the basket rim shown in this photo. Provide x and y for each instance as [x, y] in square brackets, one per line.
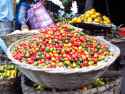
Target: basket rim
[66, 70]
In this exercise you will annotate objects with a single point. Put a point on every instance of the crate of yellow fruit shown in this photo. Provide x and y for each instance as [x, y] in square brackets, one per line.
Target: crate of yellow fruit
[8, 79]
[92, 20]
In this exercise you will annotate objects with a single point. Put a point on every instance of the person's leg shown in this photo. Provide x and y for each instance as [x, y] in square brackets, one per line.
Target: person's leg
[84, 5]
[3, 45]
[28, 82]
[5, 28]
[89, 4]
[81, 6]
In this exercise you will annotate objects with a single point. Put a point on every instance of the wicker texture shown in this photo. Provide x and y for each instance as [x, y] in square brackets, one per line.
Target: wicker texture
[110, 88]
[65, 79]
[62, 81]
[9, 39]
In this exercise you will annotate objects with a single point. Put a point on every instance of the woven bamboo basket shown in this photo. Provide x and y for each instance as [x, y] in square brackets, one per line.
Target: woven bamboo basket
[61, 78]
[16, 35]
[112, 87]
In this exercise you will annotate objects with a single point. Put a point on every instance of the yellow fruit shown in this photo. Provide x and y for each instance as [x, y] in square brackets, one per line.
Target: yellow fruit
[78, 20]
[91, 13]
[92, 10]
[105, 18]
[93, 16]
[100, 18]
[60, 64]
[70, 22]
[67, 62]
[96, 20]
[101, 22]
[74, 20]
[89, 20]
[74, 65]
[13, 73]
[106, 22]
[84, 20]
[87, 15]
[98, 14]
[87, 12]
[82, 17]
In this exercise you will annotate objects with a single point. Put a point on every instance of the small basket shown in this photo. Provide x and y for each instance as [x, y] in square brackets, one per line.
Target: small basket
[10, 85]
[95, 29]
[92, 26]
[10, 38]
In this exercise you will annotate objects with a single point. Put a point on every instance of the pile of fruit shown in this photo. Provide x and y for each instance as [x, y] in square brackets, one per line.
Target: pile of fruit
[7, 71]
[61, 45]
[92, 16]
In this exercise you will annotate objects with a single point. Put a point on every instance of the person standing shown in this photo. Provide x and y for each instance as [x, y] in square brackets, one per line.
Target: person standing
[6, 20]
[21, 14]
[82, 5]
[6, 17]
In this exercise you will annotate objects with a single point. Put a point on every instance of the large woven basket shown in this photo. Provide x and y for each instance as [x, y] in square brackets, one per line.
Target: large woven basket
[112, 87]
[64, 78]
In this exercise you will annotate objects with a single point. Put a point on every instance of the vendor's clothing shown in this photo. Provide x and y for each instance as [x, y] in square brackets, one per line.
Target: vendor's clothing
[3, 50]
[33, 19]
[5, 28]
[6, 21]
[3, 46]
[6, 10]
[21, 13]
[6, 16]
[89, 4]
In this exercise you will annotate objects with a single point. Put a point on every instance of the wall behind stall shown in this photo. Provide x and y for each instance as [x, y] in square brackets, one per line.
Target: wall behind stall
[116, 10]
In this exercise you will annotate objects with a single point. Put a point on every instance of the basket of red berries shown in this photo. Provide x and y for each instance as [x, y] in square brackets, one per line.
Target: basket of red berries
[62, 56]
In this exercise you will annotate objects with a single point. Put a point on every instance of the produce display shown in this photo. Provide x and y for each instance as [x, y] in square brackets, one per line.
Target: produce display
[61, 45]
[92, 16]
[7, 71]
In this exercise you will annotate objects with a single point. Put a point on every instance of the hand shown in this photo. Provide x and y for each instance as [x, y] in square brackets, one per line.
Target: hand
[24, 28]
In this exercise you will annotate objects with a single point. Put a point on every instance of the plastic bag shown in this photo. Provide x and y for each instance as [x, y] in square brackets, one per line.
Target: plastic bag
[38, 16]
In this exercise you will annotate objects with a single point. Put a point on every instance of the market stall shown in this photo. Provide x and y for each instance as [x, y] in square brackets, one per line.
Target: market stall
[69, 56]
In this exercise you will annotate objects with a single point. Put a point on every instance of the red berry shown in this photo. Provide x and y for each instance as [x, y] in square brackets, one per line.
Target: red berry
[30, 61]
